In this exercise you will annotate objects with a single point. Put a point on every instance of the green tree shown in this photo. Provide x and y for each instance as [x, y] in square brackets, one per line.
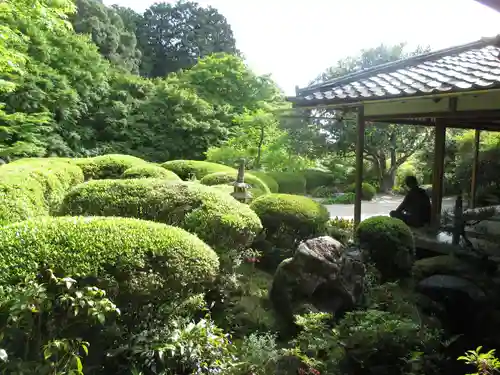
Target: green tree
[176, 36]
[387, 146]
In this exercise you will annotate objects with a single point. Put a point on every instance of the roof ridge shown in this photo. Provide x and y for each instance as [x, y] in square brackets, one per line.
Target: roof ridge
[402, 63]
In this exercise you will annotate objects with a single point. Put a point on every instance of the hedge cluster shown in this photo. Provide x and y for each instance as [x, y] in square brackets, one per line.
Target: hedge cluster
[287, 220]
[221, 178]
[290, 182]
[316, 178]
[228, 189]
[186, 168]
[271, 183]
[389, 244]
[34, 187]
[107, 166]
[150, 171]
[141, 256]
[215, 217]
[368, 191]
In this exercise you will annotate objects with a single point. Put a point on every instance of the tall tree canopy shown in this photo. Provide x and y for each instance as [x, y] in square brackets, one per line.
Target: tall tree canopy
[387, 146]
[176, 36]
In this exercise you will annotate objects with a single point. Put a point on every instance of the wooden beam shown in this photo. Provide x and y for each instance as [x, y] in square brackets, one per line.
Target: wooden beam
[475, 166]
[438, 171]
[360, 145]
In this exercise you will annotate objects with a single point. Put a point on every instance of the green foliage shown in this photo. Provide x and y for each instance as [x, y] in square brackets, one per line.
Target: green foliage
[186, 169]
[324, 192]
[389, 245]
[368, 191]
[107, 166]
[485, 363]
[71, 316]
[268, 180]
[346, 198]
[108, 248]
[340, 229]
[220, 178]
[228, 189]
[316, 178]
[216, 218]
[203, 30]
[32, 188]
[150, 171]
[290, 182]
[287, 220]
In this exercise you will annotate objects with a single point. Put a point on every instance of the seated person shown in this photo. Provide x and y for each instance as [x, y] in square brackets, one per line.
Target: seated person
[415, 210]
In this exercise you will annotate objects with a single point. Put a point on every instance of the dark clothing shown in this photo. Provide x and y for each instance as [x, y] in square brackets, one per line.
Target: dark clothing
[415, 210]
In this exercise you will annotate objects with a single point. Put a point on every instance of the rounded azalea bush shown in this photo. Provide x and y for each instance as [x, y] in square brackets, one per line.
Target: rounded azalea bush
[220, 178]
[187, 168]
[290, 182]
[142, 257]
[107, 166]
[34, 187]
[368, 191]
[228, 189]
[214, 216]
[150, 171]
[316, 178]
[271, 183]
[287, 220]
[389, 244]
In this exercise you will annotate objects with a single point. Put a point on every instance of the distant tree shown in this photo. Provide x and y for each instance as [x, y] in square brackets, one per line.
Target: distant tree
[387, 146]
[176, 36]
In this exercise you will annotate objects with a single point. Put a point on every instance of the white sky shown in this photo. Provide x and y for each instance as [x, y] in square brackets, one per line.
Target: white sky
[295, 40]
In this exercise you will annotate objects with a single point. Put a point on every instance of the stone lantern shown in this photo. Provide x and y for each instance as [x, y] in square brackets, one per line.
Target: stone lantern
[241, 189]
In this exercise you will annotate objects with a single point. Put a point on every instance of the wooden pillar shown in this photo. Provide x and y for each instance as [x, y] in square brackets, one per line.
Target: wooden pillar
[360, 145]
[438, 171]
[475, 166]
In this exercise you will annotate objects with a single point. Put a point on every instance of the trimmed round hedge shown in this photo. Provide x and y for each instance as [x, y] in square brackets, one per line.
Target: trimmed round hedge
[221, 178]
[215, 217]
[271, 183]
[290, 182]
[107, 166]
[31, 188]
[368, 191]
[150, 171]
[185, 168]
[389, 243]
[141, 256]
[287, 220]
[228, 189]
[316, 178]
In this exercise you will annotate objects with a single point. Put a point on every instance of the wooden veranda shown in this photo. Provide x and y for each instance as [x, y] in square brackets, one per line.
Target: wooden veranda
[456, 87]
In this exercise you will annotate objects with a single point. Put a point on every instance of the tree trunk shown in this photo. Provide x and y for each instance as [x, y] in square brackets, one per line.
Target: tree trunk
[388, 181]
[259, 148]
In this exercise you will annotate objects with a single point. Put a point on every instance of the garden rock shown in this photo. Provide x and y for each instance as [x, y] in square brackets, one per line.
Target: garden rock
[447, 285]
[322, 276]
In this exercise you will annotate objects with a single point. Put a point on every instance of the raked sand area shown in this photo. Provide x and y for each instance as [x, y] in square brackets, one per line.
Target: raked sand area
[380, 205]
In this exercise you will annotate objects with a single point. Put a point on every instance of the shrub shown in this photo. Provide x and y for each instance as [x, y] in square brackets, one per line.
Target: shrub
[290, 182]
[324, 192]
[287, 220]
[137, 254]
[389, 244]
[150, 171]
[347, 198]
[316, 178]
[218, 219]
[269, 181]
[34, 188]
[107, 166]
[228, 189]
[340, 229]
[220, 178]
[368, 191]
[185, 168]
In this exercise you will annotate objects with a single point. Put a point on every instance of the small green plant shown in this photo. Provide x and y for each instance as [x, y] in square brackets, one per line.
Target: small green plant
[485, 363]
[347, 198]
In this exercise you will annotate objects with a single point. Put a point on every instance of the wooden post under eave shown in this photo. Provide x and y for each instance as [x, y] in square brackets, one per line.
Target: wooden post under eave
[475, 166]
[438, 171]
[360, 145]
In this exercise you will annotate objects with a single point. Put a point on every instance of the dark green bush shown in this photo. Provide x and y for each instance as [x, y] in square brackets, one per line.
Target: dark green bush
[150, 171]
[215, 217]
[316, 178]
[185, 168]
[368, 191]
[389, 244]
[287, 220]
[269, 181]
[220, 178]
[324, 192]
[138, 254]
[290, 182]
[107, 166]
[31, 188]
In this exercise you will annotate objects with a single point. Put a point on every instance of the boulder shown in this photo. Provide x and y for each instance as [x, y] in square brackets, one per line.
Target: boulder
[447, 285]
[322, 276]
